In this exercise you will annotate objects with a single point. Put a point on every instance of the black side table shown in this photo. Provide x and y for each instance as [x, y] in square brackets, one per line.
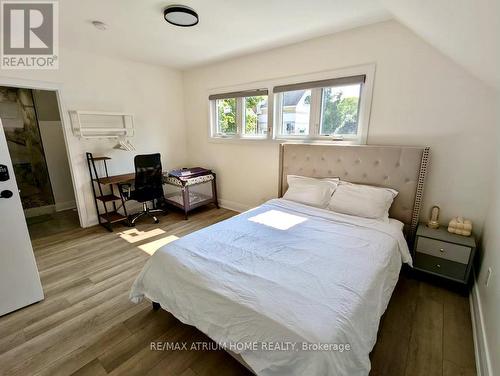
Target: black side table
[443, 254]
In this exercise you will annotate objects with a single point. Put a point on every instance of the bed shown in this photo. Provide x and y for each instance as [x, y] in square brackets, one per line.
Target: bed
[289, 289]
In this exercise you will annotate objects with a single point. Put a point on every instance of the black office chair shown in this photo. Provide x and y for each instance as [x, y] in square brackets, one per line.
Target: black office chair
[148, 185]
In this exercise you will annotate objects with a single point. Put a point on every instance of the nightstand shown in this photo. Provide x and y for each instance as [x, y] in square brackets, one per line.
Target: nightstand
[444, 254]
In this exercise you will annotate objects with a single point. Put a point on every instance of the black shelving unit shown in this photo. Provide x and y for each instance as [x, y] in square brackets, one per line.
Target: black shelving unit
[100, 184]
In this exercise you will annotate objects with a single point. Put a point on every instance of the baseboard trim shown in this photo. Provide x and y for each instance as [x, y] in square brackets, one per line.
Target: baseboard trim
[92, 222]
[39, 210]
[60, 206]
[483, 364]
[232, 205]
[226, 204]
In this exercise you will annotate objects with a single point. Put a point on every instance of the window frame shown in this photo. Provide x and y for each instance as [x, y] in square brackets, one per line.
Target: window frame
[274, 114]
[240, 119]
[243, 120]
[278, 115]
[216, 114]
[322, 110]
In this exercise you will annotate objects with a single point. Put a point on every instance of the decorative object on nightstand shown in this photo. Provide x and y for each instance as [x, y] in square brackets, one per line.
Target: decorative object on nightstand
[434, 219]
[460, 226]
[443, 254]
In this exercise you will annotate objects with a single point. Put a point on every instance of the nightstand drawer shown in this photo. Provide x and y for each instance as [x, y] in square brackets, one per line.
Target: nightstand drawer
[448, 251]
[440, 266]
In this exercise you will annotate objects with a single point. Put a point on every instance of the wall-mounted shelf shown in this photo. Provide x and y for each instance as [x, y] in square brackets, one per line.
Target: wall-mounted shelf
[104, 125]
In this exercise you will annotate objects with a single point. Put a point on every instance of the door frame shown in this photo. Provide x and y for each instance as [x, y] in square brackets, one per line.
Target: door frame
[70, 143]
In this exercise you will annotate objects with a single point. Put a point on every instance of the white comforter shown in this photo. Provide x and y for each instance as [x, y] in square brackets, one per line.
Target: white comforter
[283, 274]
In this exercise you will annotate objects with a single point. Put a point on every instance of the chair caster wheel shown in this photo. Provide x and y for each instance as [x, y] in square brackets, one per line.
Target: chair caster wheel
[157, 221]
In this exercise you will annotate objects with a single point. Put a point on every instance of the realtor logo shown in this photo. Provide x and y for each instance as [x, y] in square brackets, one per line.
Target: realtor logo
[29, 34]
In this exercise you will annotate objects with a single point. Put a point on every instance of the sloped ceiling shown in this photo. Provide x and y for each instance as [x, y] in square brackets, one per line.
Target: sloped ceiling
[468, 31]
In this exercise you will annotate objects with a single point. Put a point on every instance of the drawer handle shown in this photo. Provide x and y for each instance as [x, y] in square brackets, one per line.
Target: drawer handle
[441, 250]
[438, 265]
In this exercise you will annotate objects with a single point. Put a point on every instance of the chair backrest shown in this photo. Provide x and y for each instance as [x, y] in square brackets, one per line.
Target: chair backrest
[148, 176]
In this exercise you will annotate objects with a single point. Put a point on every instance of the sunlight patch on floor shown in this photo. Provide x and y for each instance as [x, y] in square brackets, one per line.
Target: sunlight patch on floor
[153, 246]
[277, 219]
[133, 235]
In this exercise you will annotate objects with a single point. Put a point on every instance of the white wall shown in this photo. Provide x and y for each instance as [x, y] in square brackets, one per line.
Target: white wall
[54, 147]
[420, 98]
[56, 156]
[489, 297]
[91, 82]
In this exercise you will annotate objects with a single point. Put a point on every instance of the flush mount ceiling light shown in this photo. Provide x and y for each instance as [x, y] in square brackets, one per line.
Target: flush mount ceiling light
[180, 15]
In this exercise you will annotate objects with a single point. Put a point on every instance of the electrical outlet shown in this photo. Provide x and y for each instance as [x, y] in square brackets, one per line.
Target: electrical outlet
[488, 276]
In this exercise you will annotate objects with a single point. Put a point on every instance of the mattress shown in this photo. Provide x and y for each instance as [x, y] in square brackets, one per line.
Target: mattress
[294, 290]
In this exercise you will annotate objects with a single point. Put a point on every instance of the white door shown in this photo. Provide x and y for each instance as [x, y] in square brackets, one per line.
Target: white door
[19, 280]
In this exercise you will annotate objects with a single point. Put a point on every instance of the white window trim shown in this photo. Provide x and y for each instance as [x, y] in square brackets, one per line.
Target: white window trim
[240, 120]
[274, 115]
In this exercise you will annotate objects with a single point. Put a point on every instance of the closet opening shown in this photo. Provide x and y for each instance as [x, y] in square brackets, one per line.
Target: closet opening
[34, 132]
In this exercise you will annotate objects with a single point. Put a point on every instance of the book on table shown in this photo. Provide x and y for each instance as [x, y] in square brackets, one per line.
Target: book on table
[187, 173]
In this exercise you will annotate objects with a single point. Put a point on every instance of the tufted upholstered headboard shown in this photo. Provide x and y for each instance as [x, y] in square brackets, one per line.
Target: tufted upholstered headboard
[402, 168]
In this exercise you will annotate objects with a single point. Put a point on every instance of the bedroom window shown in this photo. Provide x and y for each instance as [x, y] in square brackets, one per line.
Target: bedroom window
[255, 119]
[325, 109]
[331, 106]
[242, 114]
[295, 112]
[226, 116]
[340, 110]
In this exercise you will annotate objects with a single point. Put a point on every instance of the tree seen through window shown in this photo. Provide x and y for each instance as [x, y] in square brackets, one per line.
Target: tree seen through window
[340, 110]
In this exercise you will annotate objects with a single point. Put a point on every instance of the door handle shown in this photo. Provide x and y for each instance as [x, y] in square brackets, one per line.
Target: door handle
[6, 194]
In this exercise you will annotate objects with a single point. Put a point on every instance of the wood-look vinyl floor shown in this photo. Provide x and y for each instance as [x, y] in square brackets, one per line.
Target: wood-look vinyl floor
[87, 326]
[47, 224]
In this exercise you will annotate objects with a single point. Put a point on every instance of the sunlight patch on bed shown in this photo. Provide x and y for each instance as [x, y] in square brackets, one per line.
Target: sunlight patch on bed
[277, 219]
[133, 235]
[155, 245]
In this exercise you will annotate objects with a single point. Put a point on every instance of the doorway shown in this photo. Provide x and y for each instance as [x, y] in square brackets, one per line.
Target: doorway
[35, 140]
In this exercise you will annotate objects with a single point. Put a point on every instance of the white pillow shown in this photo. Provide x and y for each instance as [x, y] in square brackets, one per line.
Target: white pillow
[362, 200]
[310, 191]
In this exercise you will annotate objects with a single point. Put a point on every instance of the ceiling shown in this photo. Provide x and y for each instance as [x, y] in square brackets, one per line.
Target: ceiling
[466, 31]
[227, 28]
